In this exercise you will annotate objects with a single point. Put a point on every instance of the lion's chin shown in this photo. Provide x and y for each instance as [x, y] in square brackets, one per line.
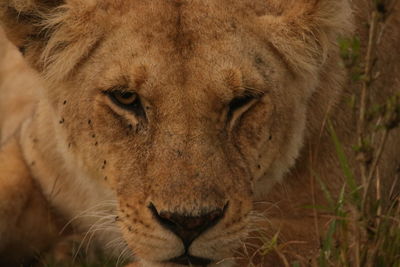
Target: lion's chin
[144, 263]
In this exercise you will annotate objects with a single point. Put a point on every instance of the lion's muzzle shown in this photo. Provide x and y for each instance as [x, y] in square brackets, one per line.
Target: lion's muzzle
[188, 228]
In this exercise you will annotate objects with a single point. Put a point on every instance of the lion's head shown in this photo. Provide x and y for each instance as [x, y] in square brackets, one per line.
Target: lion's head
[186, 109]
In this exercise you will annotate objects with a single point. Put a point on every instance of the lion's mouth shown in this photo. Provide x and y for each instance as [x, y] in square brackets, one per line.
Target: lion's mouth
[187, 260]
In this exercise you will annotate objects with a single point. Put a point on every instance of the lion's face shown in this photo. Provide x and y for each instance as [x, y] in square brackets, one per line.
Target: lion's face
[181, 115]
[185, 109]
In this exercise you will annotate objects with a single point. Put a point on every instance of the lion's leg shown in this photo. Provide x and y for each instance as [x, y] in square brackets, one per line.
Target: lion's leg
[26, 224]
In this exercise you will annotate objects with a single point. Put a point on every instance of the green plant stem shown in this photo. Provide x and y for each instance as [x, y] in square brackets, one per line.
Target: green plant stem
[374, 167]
[364, 91]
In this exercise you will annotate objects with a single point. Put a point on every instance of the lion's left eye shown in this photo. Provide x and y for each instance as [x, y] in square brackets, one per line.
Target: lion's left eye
[239, 105]
[127, 100]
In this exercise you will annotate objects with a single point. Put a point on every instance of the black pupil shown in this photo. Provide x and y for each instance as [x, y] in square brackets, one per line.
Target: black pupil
[126, 95]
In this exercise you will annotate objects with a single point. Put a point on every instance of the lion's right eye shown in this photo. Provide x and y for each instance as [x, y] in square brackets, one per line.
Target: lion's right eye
[127, 100]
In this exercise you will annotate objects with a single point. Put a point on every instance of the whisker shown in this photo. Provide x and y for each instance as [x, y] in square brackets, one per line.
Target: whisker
[103, 227]
[87, 233]
[86, 213]
[121, 255]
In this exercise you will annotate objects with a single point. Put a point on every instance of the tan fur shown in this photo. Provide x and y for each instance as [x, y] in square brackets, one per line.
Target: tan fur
[187, 60]
[27, 226]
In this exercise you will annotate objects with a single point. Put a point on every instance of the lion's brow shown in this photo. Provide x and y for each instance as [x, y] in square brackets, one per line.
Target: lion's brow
[251, 91]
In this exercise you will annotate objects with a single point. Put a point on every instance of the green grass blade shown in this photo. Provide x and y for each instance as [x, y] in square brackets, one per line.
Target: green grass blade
[344, 164]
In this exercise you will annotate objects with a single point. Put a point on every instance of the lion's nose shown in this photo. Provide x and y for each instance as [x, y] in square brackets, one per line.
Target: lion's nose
[187, 228]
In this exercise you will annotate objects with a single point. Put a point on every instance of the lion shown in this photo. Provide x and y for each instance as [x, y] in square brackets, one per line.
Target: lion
[163, 125]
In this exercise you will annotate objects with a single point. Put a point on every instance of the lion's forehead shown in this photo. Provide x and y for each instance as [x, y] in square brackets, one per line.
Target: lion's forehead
[181, 30]
[209, 6]
[186, 27]
[173, 38]
[182, 48]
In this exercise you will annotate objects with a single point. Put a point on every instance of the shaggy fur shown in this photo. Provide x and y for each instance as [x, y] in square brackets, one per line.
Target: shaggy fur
[99, 166]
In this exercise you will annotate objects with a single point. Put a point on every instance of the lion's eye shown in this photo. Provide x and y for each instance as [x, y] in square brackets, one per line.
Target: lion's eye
[124, 98]
[239, 105]
[127, 100]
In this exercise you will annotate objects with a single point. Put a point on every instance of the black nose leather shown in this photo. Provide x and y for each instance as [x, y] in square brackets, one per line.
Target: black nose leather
[188, 228]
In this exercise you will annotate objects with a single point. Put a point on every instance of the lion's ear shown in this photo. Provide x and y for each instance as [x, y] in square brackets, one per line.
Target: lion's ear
[22, 19]
[55, 34]
[306, 31]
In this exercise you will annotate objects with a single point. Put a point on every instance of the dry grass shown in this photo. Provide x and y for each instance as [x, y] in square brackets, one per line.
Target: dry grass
[364, 229]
